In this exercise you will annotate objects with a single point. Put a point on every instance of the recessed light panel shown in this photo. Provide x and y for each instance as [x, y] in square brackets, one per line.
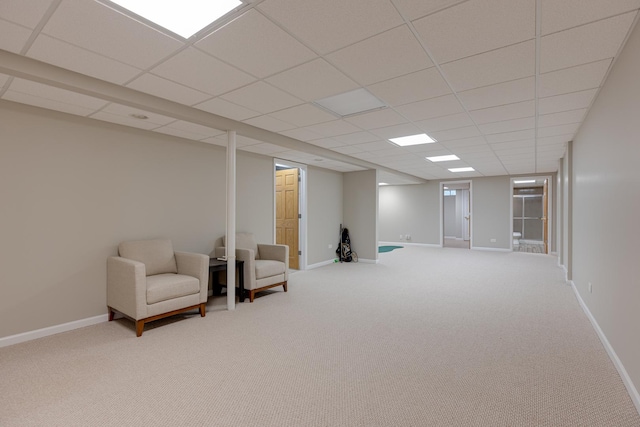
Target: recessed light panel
[526, 181]
[469, 169]
[383, 183]
[447, 158]
[352, 102]
[184, 17]
[405, 141]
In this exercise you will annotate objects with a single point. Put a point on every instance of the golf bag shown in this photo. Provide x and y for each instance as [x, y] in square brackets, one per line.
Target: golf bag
[344, 251]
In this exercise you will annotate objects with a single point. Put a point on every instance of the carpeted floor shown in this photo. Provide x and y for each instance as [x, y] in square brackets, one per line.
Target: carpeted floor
[426, 337]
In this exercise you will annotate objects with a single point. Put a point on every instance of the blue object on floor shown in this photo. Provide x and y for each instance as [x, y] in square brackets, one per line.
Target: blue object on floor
[388, 248]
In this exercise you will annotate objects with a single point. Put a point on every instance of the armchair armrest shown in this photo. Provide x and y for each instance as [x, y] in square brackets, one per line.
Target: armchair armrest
[274, 252]
[195, 265]
[127, 287]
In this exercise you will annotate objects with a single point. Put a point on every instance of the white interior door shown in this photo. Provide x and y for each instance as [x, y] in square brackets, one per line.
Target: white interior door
[466, 215]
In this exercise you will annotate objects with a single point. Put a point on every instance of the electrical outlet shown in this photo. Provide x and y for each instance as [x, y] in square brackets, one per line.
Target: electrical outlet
[401, 237]
[408, 236]
[590, 288]
[493, 240]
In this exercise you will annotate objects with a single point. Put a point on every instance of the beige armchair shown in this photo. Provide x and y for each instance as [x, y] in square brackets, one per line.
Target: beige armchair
[149, 281]
[265, 266]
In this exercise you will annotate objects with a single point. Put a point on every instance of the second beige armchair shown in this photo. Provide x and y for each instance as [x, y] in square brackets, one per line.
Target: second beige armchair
[265, 266]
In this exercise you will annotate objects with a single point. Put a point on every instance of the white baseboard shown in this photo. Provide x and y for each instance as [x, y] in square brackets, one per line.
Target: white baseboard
[52, 330]
[321, 264]
[367, 261]
[483, 248]
[631, 388]
[426, 245]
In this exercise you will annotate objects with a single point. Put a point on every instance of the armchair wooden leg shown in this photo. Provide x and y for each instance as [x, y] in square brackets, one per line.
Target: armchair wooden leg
[139, 327]
[203, 309]
[284, 285]
[252, 293]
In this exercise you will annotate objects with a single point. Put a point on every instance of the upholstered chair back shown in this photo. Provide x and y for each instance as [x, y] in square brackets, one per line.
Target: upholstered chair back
[245, 241]
[156, 255]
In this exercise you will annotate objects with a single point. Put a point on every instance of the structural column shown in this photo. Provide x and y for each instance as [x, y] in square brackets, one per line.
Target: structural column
[231, 220]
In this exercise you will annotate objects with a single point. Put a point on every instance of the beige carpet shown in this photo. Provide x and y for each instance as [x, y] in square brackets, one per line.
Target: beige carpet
[427, 337]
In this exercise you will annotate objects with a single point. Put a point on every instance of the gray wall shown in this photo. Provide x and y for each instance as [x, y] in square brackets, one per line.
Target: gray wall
[324, 204]
[73, 188]
[360, 203]
[410, 209]
[450, 215]
[416, 209]
[606, 208]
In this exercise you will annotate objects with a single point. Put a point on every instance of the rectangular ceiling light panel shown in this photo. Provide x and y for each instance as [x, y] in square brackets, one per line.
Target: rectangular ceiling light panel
[184, 17]
[461, 170]
[446, 158]
[405, 141]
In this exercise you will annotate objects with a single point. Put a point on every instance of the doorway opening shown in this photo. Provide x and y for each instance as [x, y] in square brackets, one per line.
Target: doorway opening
[455, 202]
[290, 206]
[530, 214]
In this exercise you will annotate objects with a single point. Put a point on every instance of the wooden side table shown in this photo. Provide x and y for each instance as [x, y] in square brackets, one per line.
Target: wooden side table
[216, 266]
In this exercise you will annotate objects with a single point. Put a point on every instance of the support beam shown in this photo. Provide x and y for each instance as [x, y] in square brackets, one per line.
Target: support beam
[231, 220]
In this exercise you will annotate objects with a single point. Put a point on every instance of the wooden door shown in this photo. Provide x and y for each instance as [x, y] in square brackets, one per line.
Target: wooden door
[287, 213]
[545, 212]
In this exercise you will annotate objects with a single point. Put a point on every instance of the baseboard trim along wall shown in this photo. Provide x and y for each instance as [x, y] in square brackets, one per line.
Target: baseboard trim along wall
[368, 261]
[631, 388]
[52, 330]
[426, 245]
[483, 248]
[321, 264]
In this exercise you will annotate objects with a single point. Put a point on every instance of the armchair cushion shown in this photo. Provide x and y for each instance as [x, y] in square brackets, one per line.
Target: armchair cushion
[156, 255]
[268, 268]
[163, 287]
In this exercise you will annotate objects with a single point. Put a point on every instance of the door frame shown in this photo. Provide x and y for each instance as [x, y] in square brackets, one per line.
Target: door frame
[441, 198]
[302, 207]
[549, 212]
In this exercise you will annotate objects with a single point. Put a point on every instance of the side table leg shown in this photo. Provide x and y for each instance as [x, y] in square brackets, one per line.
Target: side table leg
[241, 280]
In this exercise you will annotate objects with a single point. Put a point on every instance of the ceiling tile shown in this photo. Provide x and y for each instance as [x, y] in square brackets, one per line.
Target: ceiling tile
[558, 130]
[466, 142]
[569, 101]
[508, 126]
[560, 15]
[333, 128]
[357, 138]
[228, 109]
[413, 9]
[554, 140]
[326, 143]
[167, 89]
[347, 149]
[459, 133]
[196, 70]
[303, 115]
[40, 95]
[14, 37]
[566, 117]
[382, 57]
[581, 77]
[93, 26]
[376, 119]
[269, 123]
[26, 13]
[430, 108]
[445, 122]
[511, 136]
[266, 48]
[375, 146]
[301, 134]
[473, 27]
[516, 110]
[74, 58]
[525, 143]
[587, 43]
[500, 65]
[314, 80]
[413, 87]
[262, 97]
[329, 25]
[500, 94]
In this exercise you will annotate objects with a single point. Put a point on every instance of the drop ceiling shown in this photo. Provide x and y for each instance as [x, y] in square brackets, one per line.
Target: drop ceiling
[502, 84]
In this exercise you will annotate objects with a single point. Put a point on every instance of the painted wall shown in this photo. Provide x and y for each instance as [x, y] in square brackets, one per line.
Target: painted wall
[606, 208]
[324, 204]
[73, 188]
[410, 209]
[360, 205]
[416, 209]
[451, 228]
